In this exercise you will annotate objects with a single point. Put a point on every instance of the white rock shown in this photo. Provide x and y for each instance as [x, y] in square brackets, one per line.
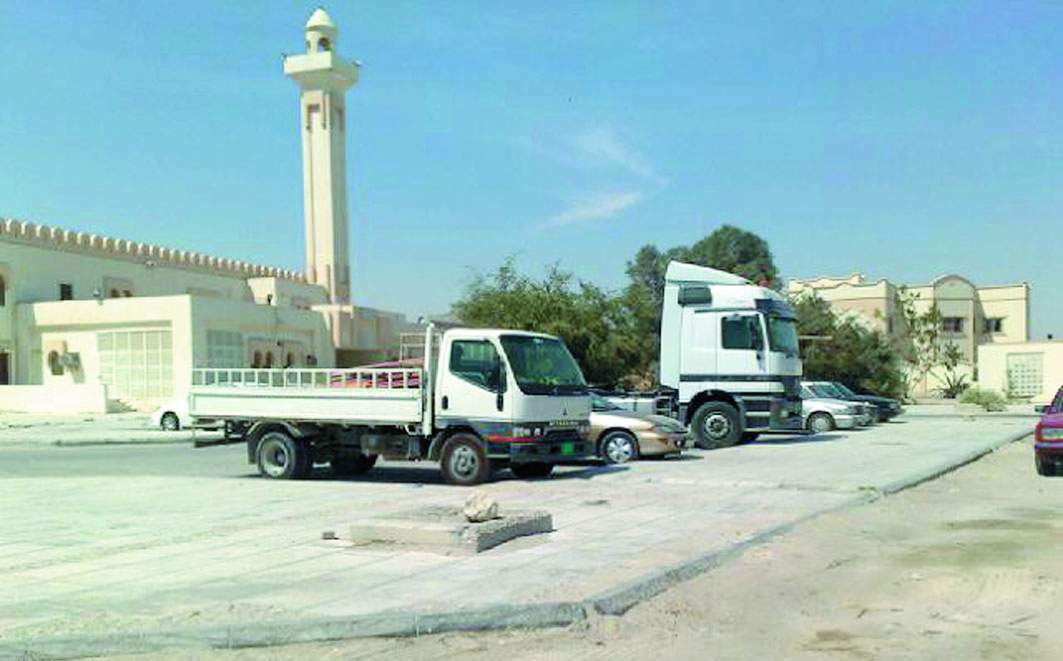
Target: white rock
[480, 507]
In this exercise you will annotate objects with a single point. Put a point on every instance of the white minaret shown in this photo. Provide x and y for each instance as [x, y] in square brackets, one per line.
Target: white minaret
[323, 78]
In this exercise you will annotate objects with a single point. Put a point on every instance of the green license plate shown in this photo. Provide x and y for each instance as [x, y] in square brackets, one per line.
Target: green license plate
[568, 448]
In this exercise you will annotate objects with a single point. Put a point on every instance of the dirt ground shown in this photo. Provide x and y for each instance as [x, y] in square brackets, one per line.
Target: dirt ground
[965, 567]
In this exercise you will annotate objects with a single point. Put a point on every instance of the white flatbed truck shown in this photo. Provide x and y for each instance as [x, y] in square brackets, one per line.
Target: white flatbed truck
[477, 400]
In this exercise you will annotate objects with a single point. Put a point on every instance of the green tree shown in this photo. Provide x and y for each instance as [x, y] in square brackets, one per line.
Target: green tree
[737, 251]
[592, 323]
[843, 349]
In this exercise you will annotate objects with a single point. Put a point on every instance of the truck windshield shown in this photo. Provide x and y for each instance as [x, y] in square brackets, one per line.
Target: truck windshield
[543, 366]
[782, 335]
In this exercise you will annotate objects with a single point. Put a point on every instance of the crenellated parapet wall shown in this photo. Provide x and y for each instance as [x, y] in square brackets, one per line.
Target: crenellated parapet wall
[56, 238]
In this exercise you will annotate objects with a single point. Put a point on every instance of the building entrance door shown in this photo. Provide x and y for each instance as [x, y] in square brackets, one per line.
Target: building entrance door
[5, 369]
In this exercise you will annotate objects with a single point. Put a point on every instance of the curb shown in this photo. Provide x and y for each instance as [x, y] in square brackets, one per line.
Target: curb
[949, 466]
[91, 443]
[614, 601]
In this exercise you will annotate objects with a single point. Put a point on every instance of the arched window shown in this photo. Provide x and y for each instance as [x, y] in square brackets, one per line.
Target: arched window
[113, 293]
[3, 292]
[289, 360]
[269, 360]
[323, 44]
[256, 362]
[54, 365]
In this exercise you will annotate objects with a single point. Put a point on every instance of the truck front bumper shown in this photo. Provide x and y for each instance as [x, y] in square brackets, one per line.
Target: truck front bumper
[551, 452]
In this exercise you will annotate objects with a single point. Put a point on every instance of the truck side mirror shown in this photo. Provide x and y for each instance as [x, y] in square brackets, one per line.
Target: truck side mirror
[500, 401]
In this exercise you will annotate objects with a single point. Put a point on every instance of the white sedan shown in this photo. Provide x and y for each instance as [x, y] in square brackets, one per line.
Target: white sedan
[822, 414]
[172, 415]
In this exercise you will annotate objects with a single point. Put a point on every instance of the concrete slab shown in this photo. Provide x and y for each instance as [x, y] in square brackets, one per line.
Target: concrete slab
[445, 529]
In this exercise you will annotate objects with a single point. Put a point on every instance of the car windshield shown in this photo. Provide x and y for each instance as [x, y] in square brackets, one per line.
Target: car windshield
[599, 403]
[543, 366]
[782, 335]
[826, 390]
[843, 389]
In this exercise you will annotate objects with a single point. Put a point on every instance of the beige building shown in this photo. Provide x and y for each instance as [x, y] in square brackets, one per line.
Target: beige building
[972, 316]
[92, 323]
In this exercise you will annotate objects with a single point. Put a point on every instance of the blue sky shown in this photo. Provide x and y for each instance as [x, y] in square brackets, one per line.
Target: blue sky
[903, 140]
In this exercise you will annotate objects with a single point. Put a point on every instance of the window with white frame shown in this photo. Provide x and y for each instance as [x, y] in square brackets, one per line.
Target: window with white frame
[1025, 374]
[225, 349]
[136, 364]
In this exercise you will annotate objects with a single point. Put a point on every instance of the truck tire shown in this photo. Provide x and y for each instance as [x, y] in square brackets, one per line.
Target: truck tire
[532, 470]
[281, 457]
[464, 461]
[716, 425]
[819, 423]
[350, 465]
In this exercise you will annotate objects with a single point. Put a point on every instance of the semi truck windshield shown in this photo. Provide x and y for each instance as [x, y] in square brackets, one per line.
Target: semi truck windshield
[782, 335]
[543, 366]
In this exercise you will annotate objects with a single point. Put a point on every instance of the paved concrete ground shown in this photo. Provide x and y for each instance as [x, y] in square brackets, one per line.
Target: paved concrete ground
[143, 539]
[963, 567]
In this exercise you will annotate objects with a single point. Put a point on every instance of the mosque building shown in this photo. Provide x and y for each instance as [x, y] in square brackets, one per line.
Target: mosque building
[93, 323]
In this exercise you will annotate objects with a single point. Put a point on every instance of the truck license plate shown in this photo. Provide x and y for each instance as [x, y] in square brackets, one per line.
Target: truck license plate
[568, 448]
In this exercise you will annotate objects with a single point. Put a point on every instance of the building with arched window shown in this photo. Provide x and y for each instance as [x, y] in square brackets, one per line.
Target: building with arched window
[123, 322]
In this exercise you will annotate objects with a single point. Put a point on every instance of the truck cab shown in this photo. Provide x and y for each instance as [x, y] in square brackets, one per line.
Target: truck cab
[521, 393]
[729, 353]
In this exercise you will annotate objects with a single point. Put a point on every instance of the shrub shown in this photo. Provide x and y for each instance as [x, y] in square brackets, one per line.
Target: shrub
[990, 400]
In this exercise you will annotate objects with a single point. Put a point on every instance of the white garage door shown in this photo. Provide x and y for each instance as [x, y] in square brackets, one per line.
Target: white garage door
[1025, 374]
[136, 364]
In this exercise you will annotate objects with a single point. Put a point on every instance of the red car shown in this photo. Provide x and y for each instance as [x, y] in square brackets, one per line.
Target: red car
[1048, 448]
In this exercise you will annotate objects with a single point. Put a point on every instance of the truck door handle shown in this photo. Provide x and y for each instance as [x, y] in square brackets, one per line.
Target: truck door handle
[446, 402]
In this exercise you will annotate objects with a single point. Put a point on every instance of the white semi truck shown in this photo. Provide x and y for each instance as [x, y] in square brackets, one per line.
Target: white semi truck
[729, 356]
[476, 400]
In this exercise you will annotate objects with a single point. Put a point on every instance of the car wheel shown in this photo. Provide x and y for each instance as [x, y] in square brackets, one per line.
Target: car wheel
[618, 447]
[819, 423]
[350, 465]
[716, 425]
[281, 457]
[1046, 467]
[532, 470]
[170, 422]
[464, 461]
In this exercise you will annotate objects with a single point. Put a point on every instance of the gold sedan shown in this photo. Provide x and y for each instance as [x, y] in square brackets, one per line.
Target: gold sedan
[623, 435]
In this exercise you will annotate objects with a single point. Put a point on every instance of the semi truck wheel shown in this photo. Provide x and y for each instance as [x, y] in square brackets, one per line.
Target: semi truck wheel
[819, 423]
[350, 465]
[464, 461]
[281, 457]
[716, 425]
[532, 470]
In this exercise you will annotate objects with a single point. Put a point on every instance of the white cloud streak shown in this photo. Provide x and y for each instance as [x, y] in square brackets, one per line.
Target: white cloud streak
[599, 149]
[598, 207]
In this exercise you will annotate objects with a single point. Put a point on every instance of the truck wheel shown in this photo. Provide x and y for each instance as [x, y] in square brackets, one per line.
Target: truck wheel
[716, 425]
[350, 465]
[281, 457]
[464, 461]
[532, 470]
[170, 422]
[819, 423]
[618, 447]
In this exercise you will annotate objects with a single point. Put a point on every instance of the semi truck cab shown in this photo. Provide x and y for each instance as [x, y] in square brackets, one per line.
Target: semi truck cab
[729, 353]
